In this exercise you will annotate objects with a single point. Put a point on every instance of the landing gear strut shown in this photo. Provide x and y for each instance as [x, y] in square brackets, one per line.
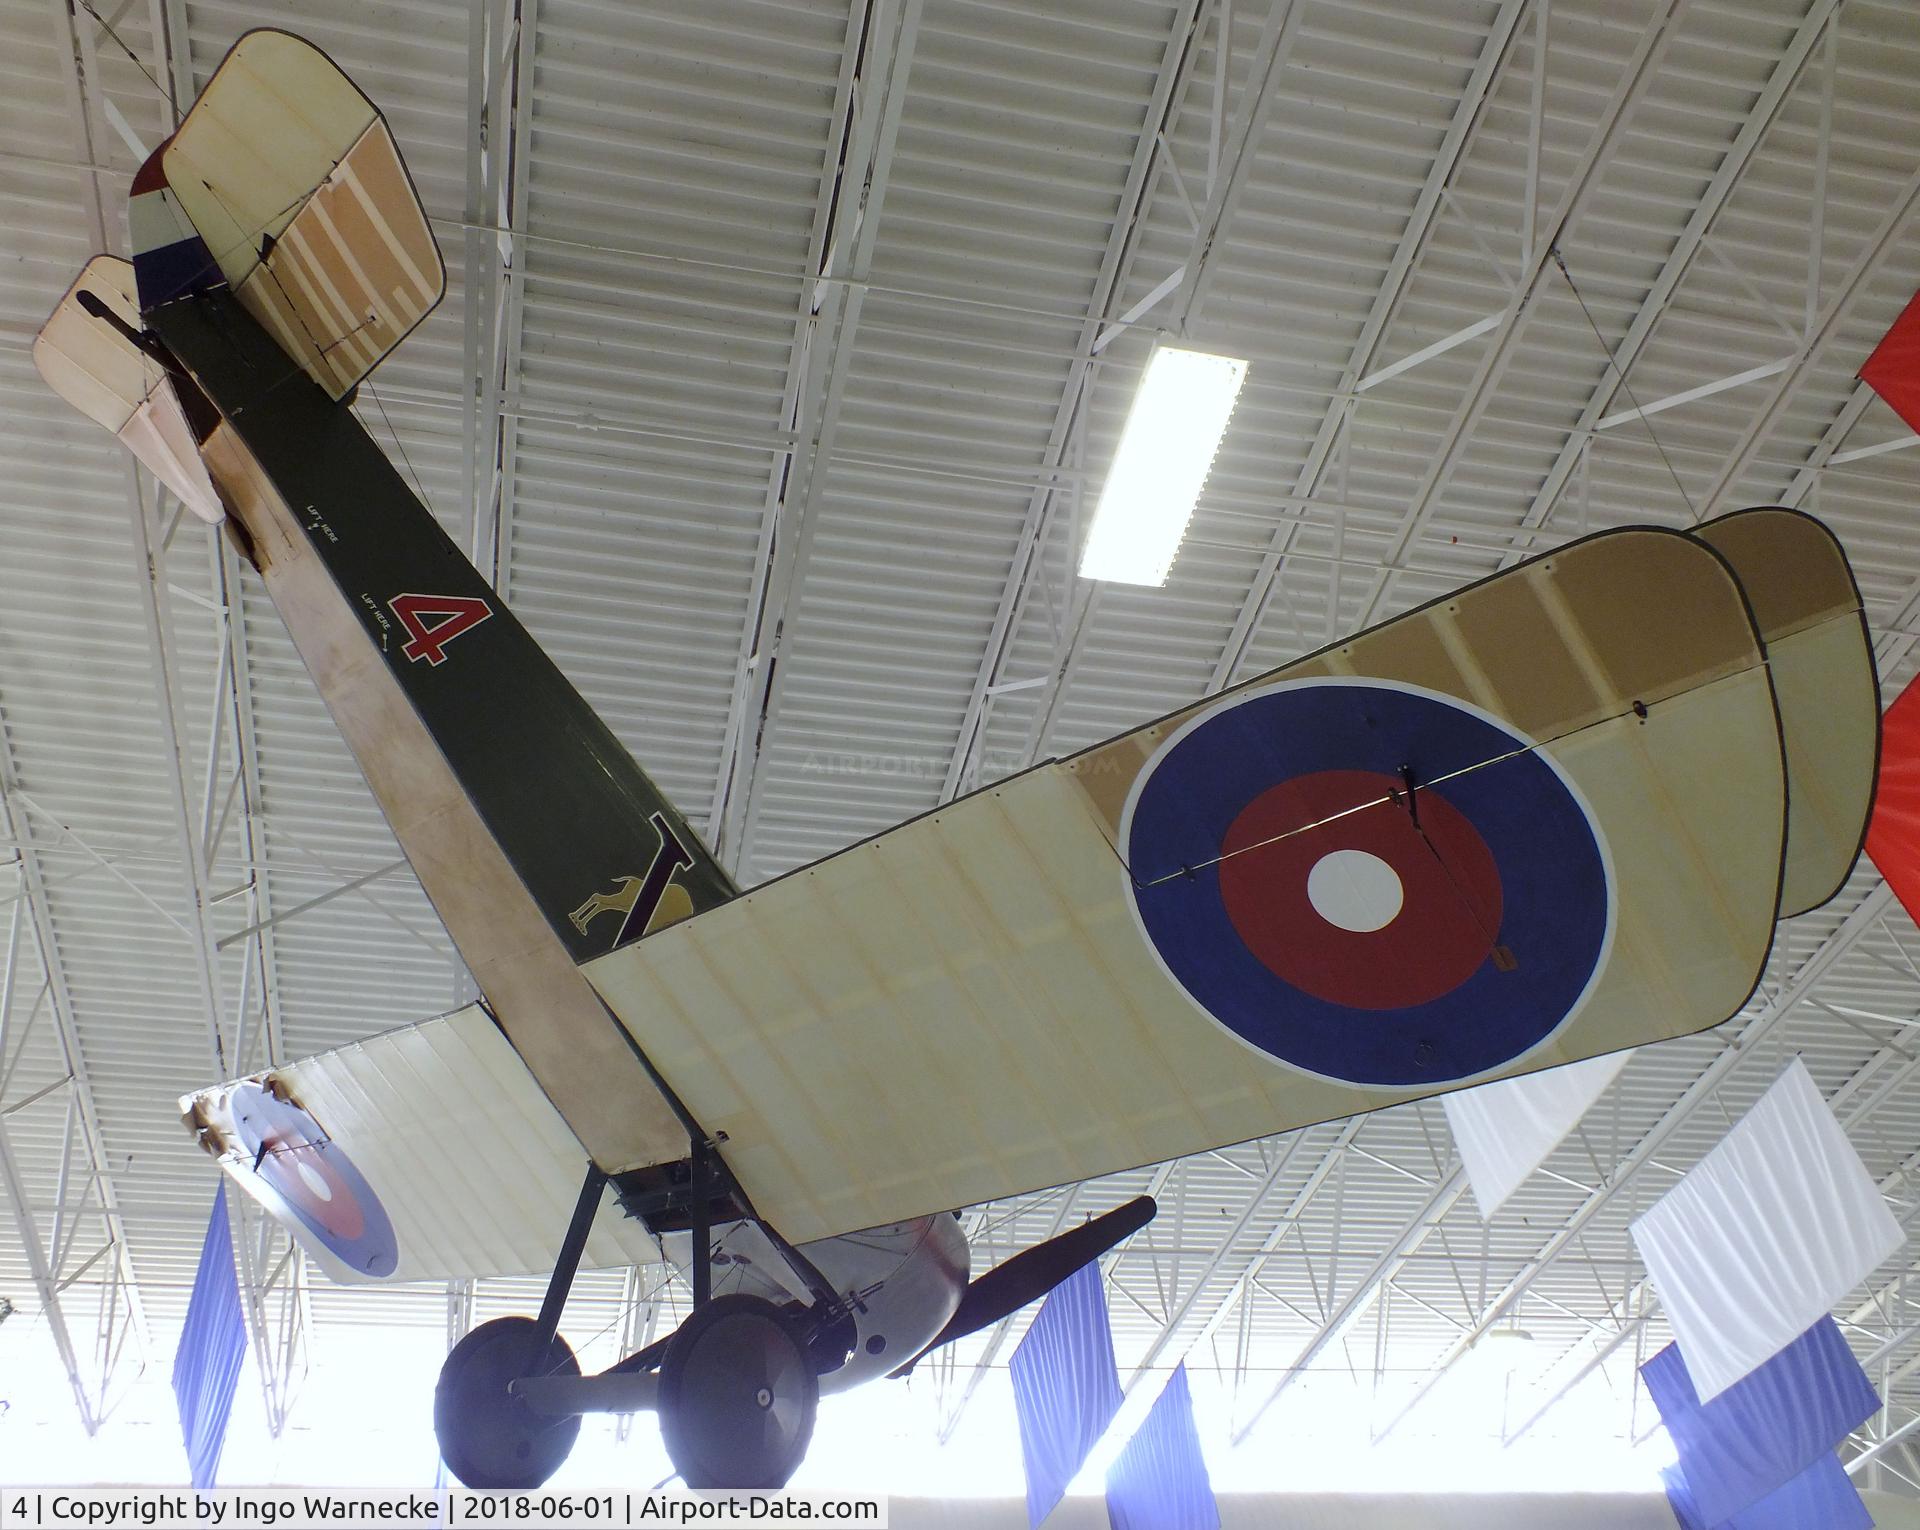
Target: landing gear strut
[737, 1385]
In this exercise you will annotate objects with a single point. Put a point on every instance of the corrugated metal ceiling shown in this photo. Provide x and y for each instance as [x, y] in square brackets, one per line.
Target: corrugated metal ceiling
[767, 384]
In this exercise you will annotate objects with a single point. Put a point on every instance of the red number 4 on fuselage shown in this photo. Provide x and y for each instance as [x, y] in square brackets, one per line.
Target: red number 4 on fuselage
[456, 614]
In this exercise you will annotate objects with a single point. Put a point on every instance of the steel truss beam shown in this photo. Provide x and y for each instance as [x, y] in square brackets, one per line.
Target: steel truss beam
[1868, 262]
[1241, 1288]
[1643, 1301]
[882, 36]
[53, 1251]
[269, 1268]
[1426, 212]
[501, 38]
[835, 200]
[1116, 266]
[59, 1244]
[1269, 57]
[1360, 1300]
[244, 1038]
[1680, 260]
[1642, 68]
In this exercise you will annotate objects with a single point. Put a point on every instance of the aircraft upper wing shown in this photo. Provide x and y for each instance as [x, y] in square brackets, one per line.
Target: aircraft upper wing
[1572, 775]
[426, 1153]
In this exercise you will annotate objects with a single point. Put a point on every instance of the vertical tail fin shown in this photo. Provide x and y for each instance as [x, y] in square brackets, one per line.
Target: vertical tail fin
[170, 259]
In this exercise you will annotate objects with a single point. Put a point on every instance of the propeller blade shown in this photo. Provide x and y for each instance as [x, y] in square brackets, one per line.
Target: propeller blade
[1032, 1273]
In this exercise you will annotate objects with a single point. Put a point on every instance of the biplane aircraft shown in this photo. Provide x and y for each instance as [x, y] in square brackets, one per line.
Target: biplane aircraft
[1555, 814]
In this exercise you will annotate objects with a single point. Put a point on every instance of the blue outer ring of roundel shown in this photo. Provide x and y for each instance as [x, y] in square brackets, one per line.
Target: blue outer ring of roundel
[1558, 904]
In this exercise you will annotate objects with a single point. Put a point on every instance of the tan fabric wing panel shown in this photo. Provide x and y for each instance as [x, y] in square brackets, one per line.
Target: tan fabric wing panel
[474, 1167]
[1552, 646]
[282, 153]
[965, 1008]
[1808, 608]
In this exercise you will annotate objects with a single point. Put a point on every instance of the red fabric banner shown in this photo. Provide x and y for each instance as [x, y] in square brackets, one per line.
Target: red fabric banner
[1893, 370]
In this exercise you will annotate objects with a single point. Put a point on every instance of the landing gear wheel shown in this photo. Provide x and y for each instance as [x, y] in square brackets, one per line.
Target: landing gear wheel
[488, 1437]
[738, 1393]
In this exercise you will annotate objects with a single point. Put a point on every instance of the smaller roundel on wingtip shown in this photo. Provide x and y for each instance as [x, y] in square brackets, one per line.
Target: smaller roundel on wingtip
[1371, 882]
[315, 1178]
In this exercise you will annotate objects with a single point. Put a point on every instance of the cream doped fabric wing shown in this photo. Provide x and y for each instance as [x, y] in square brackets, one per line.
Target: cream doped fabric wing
[468, 1160]
[971, 1006]
[1764, 1234]
[1506, 1129]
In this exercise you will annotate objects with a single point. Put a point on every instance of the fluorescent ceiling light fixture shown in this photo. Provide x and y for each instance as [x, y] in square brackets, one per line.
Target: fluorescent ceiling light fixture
[1173, 430]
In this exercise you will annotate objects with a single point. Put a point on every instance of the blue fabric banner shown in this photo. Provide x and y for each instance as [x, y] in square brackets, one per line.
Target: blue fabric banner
[1160, 1481]
[206, 1369]
[1822, 1497]
[1066, 1386]
[1768, 1427]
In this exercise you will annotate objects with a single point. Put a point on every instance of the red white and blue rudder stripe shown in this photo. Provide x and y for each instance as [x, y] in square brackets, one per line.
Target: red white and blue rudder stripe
[170, 259]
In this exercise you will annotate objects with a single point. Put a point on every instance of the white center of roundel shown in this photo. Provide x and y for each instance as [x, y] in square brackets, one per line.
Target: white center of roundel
[315, 1181]
[1354, 890]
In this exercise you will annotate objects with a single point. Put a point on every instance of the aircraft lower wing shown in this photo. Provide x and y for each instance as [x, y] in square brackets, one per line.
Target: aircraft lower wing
[1542, 819]
[439, 1157]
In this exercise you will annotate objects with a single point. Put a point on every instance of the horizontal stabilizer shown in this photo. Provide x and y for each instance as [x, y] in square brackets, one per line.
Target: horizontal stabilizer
[293, 182]
[426, 1153]
[93, 364]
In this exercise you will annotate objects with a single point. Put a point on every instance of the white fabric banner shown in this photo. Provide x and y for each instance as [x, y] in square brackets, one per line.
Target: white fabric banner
[1506, 1129]
[1764, 1235]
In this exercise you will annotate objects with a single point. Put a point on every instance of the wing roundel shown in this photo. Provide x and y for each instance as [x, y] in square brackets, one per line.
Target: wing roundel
[426, 1153]
[1372, 882]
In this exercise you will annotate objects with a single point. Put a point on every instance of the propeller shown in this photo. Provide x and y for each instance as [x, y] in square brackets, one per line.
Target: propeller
[1032, 1273]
